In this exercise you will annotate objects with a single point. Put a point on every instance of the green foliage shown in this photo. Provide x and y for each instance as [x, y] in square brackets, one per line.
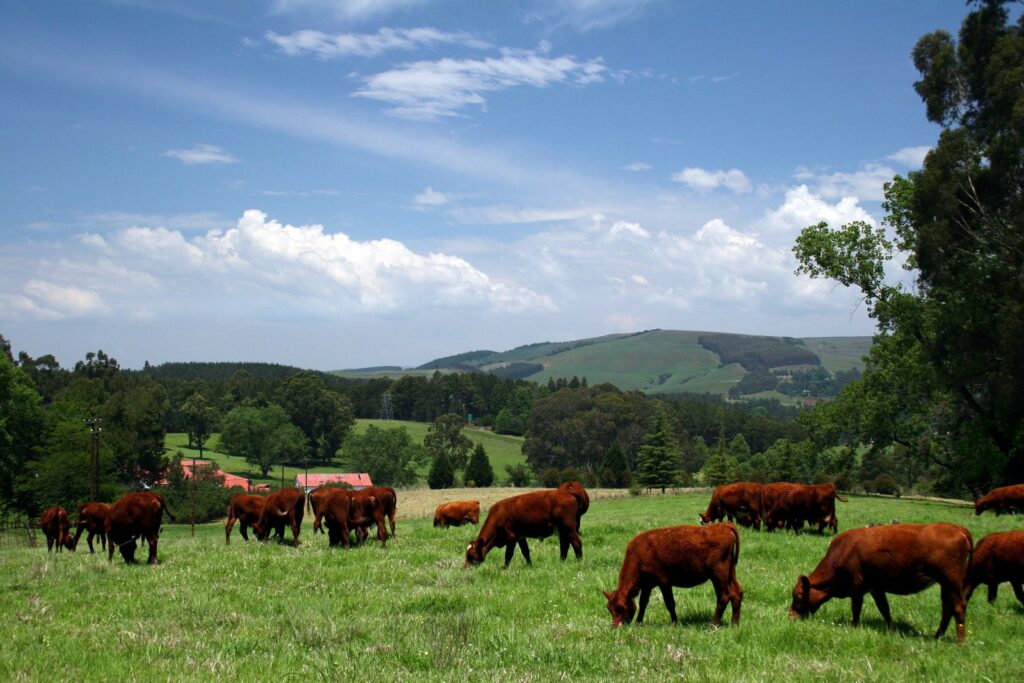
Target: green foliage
[21, 420]
[264, 436]
[659, 457]
[200, 419]
[758, 353]
[519, 475]
[441, 475]
[203, 497]
[614, 472]
[508, 422]
[389, 456]
[323, 415]
[445, 437]
[479, 469]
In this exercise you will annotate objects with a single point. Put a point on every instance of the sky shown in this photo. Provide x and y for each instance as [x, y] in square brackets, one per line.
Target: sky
[350, 183]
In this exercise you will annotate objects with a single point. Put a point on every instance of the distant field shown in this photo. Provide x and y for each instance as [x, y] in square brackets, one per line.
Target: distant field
[410, 611]
[840, 353]
[501, 450]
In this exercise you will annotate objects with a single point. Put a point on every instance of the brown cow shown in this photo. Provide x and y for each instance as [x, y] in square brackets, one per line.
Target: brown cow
[316, 498]
[808, 503]
[774, 499]
[388, 501]
[57, 527]
[245, 509]
[531, 515]
[457, 513]
[900, 559]
[92, 517]
[582, 497]
[997, 558]
[282, 507]
[366, 508]
[333, 508]
[135, 515]
[741, 501]
[683, 556]
[345, 511]
[1002, 499]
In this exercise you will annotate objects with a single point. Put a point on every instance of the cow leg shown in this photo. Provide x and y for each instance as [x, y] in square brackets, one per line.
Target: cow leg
[88, 539]
[510, 549]
[993, 591]
[228, 526]
[103, 540]
[645, 595]
[947, 612]
[670, 602]
[128, 551]
[243, 529]
[296, 525]
[525, 549]
[78, 535]
[856, 603]
[563, 544]
[154, 538]
[110, 549]
[882, 603]
[736, 598]
[721, 600]
[49, 544]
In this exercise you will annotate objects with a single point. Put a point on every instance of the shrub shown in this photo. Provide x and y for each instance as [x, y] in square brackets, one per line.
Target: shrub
[519, 475]
[885, 484]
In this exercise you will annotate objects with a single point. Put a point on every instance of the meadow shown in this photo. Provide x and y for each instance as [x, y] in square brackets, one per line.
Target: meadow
[410, 611]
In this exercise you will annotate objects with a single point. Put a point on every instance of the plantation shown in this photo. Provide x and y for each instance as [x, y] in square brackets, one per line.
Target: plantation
[252, 611]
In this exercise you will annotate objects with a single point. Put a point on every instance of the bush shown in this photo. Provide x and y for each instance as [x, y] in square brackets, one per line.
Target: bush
[519, 475]
[635, 489]
[441, 475]
[885, 484]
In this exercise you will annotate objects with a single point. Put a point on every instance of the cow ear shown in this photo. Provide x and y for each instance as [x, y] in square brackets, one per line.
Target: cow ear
[607, 594]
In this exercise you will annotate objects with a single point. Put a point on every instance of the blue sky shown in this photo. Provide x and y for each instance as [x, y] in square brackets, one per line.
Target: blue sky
[339, 184]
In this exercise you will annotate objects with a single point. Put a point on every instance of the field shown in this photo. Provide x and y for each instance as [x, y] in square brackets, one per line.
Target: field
[501, 450]
[252, 611]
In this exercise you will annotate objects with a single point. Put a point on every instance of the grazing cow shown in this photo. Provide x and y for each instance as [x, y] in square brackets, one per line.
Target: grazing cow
[997, 558]
[333, 508]
[135, 515]
[774, 505]
[245, 509]
[900, 559]
[1002, 499]
[741, 501]
[92, 517]
[582, 498]
[388, 501]
[457, 513]
[683, 556]
[365, 508]
[282, 507]
[316, 498]
[813, 504]
[57, 527]
[531, 515]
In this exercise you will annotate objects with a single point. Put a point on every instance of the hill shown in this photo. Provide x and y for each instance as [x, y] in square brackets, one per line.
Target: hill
[675, 361]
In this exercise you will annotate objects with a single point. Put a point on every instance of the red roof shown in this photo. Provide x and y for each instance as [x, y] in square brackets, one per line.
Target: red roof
[188, 468]
[357, 480]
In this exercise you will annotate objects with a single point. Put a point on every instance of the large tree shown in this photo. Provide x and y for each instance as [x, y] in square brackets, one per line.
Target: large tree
[21, 420]
[323, 415]
[389, 456]
[958, 226]
[445, 437]
[263, 436]
[659, 460]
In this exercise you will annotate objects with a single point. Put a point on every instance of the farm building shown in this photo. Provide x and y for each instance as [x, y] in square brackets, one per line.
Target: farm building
[189, 468]
[308, 482]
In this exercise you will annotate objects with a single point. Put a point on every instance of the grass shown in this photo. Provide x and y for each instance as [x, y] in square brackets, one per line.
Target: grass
[410, 611]
[502, 450]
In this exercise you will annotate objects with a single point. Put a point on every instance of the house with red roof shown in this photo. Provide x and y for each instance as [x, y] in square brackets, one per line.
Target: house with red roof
[308, 482]
[190, 467]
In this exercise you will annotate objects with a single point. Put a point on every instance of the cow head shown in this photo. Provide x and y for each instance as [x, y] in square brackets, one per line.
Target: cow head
[69, 541]
[979, 507]
[705, 518]
[806, 599]
[474, 554]
[622, 608]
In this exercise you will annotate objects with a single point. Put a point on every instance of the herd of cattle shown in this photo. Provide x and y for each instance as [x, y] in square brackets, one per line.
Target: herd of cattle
[898, 558]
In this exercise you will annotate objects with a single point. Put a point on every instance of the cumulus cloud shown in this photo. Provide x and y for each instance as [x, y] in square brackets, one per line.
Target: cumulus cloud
[802, 207]
[866, 183]
[342, 45]
[345, 10]
[431, 197]
[911, 157]
[703, 180]
[623, 228]
[430, 90]
[201, 154]
[50, 300]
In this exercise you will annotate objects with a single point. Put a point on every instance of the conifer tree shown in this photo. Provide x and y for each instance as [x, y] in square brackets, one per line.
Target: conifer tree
[479, 469]
[658, 460]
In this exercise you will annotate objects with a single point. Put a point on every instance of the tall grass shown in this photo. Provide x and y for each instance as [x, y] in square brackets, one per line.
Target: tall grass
[253, 611]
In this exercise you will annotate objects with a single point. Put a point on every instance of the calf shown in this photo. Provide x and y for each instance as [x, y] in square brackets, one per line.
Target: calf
[388, 502]
[365, 508]
[135, 515]
[57, 527]
[92, 517]
[457, 513]
[683, 556]
[531, 515]
[1002, 499]
[901, 559]
[997, 558]
[282, 507]
[245, 509]
[741, 501]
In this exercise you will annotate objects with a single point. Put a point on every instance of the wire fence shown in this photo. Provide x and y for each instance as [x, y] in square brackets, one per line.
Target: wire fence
[17, 532]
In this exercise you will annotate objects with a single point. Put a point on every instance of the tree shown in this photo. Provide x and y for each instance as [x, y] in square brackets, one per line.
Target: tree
[614, 471]
[263, 436]
[659, 458]
[958, 225]
[479, 470]
[21, 421]
[324, 416]
[441, 475]
[200, 419]
[133, 426]
[519, 475]
[389, 456]
[445, 437]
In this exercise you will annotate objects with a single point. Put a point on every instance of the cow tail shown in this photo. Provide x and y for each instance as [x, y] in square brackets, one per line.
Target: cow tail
[163, 504]
[735, 543]
[841, 499]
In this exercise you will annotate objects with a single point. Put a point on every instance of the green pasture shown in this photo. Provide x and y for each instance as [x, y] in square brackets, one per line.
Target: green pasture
[501, 449]
[410, 611]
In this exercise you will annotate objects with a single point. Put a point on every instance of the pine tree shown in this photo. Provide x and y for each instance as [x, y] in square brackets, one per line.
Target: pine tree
[479, 469]
[614, 470]
[658, 460]
[441, 475]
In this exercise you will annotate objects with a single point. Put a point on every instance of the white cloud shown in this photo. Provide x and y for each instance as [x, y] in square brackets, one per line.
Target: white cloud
[431, 197]
[341, 45]
[62, 300]
[586, 15]
[703, 180]
[202, 154]
[300, 193]
[429, 90]
[507, 215]
[802, 208]
[911, 157]
[636, 167]
[622, 228]
[345, 10]
[866, 183]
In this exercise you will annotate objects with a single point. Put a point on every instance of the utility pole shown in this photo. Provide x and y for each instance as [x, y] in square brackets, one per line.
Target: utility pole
[93, 423]
[387, 409]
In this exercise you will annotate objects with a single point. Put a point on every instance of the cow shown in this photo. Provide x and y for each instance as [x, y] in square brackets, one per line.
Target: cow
[366, 508]
[810, 503]
[1002, 499]
[741, 501]
[316, 498]
[92, 517]
[582, 498]
[333, 509]
[245, 508]
[135, 515]
[57, 527]
[388, 501]
[282, 507]
[457, 513]
[901, 559]
[683, 556]
[774, 505]
[997, 558]
[530, 515]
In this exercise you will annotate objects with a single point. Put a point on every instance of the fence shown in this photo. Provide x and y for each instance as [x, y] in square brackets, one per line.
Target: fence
[17, 531]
